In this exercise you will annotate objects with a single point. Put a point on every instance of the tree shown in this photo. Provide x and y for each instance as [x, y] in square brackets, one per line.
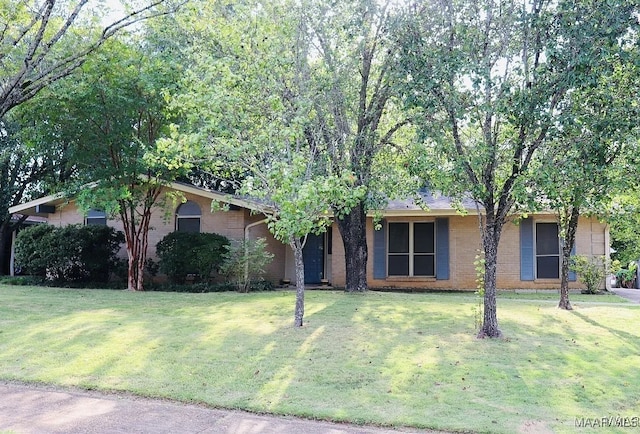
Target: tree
[489, 79]
[355, 110]
[111, 115]
[42, 41]
[577, 172]
[248, 108]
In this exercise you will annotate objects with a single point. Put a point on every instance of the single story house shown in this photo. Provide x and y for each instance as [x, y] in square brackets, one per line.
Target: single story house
[412, 248]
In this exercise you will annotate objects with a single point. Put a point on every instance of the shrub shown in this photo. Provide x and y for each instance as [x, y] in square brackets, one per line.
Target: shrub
[626, 277]
[184, 253]
[590, 271]
[21, 280]
[203, 287]
[244, 263]
[262, 285]
[200, 287]
[32, 252]
[72, 253]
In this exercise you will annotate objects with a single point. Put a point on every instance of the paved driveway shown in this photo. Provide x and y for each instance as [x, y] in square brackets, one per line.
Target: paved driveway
[630, 294]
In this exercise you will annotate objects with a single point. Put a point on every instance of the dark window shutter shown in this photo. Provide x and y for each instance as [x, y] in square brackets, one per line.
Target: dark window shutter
[380, 252]
[442, 248]
[526, 249]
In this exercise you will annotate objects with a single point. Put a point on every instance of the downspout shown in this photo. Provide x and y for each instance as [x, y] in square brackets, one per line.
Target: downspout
[246, 246]
[12, 270]
[607, 255]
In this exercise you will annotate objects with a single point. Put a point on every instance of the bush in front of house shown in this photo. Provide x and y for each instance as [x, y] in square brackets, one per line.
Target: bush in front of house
[21, 280]
[244, 263]
[204, 287]
[590, 271]
[73, 253]
[190, 253]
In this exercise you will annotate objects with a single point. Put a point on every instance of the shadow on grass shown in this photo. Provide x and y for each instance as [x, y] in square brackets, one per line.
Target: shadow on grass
[578, 366]
[384, 358]
[632, 340]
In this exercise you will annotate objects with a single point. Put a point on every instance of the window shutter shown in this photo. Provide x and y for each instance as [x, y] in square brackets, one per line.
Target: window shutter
[526, 250]
[442, 248]
[572, 274]
[380, 252]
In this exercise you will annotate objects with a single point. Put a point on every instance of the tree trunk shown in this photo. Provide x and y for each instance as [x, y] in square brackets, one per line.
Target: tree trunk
[137, 237]
[132, 264]
[490, 239]
[133, 248]
[136, 252]
[569, 241]
[353, 230]
[296, 245]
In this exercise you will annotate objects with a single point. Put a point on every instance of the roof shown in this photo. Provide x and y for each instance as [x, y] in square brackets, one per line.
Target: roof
[34, 207]
[431, 203]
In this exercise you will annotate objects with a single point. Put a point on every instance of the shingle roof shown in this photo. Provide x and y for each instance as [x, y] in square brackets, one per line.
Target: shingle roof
[432, 203]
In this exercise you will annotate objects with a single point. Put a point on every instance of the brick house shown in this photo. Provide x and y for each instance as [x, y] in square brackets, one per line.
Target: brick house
[412, 248]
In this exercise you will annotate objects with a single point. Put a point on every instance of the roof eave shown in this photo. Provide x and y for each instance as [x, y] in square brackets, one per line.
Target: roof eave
[29, 208]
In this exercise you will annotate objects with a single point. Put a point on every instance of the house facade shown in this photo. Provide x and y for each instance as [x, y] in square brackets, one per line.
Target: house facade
[409, 247]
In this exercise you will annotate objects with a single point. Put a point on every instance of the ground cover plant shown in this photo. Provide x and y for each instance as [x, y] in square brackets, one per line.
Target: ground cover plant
[381, 358]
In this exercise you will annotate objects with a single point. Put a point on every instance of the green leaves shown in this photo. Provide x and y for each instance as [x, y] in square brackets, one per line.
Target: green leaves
[247, 105]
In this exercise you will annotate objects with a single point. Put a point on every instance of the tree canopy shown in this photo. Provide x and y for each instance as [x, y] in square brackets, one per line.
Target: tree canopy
[42, 41]
[107, 119]
[247, 105]
[489, 79]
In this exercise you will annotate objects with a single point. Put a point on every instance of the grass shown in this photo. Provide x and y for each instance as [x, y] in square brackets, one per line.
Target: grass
[381, 358]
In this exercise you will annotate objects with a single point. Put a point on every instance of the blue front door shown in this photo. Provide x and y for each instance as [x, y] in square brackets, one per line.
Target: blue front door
[313, 255]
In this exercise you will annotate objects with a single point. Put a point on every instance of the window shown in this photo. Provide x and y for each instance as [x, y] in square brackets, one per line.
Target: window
[547, 251]
[411, 249]
[96, 217]
[188, 217]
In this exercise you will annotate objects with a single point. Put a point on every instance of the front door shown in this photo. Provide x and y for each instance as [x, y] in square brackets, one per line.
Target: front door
[313, 256]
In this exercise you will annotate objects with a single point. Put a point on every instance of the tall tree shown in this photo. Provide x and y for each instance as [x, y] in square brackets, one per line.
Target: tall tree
[112, 114]
[356, 116]
[489, 78]
[623, 216]
[577, 172]
[248, 106]
[42, 41]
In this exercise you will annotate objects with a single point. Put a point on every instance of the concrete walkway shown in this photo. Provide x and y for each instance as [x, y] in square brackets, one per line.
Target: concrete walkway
[630, 294]
[45, 410]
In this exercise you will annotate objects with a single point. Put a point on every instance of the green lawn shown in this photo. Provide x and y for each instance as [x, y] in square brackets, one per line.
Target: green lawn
[381, 358]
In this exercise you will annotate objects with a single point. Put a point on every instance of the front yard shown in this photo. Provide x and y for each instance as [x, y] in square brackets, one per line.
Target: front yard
[379, 358]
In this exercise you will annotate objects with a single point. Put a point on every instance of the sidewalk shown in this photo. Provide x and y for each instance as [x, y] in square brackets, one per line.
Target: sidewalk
[45, 410]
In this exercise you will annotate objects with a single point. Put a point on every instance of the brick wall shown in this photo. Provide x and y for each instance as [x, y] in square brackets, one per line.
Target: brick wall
[230, 223]
[464, 240]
